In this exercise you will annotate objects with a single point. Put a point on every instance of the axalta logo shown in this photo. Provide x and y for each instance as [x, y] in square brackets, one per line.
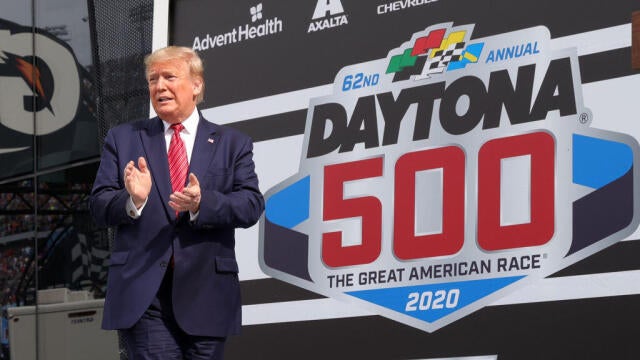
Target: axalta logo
[400, 5]
[47, 84]
[327, 14]
[452, 182]
[256, 29]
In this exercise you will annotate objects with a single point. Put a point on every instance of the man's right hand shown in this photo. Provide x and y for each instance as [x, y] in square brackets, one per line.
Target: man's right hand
[137, 181]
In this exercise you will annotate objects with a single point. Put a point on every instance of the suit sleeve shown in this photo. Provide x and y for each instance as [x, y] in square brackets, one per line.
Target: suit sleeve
[108, 199]
[243, 206]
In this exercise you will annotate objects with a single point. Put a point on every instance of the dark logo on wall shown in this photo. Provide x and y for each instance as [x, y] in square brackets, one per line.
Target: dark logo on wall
[448, 174]
[47, 84]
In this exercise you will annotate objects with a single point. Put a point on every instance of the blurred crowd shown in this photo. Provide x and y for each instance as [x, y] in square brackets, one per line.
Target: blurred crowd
[56, 208]
[14, 259]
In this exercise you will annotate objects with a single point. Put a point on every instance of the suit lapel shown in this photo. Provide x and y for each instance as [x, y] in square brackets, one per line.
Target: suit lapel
[153, 142]
[204, 147]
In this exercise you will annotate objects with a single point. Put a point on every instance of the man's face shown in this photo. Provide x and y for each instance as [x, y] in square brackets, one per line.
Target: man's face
[172, 90]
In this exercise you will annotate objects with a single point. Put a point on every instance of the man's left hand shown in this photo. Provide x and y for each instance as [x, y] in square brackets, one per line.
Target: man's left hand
[189, 198]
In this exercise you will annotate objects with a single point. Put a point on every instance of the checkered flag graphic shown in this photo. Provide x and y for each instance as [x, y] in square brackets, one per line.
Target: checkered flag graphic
[89, 263]
[441, 59]
[80, 260]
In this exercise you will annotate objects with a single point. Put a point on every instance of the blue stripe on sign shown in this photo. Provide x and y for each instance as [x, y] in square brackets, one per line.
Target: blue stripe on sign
[597, 162]
[434, 301]
[290, 206]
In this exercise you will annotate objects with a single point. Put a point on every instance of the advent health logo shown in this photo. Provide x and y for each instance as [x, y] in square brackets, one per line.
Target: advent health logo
[256, 29]
[452, 172]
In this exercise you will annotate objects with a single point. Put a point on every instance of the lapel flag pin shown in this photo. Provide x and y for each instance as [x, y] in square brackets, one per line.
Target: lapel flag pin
[210, 140]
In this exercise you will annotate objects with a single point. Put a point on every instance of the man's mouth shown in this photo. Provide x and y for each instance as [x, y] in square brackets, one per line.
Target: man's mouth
[163, 99]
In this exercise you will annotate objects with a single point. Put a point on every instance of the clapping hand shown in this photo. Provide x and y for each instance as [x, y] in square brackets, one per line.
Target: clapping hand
[189, 198]
[137, 181]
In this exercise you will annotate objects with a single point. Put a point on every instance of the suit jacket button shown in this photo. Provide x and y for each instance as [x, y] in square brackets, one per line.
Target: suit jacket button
[163, 264]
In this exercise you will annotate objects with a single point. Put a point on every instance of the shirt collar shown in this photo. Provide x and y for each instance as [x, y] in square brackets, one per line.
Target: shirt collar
[190, 123]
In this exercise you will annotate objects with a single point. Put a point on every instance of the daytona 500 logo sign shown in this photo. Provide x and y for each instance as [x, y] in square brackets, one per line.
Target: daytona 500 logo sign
[455, 170]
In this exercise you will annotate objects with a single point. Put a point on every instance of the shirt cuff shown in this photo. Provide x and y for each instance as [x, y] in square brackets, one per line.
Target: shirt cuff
[132, 211]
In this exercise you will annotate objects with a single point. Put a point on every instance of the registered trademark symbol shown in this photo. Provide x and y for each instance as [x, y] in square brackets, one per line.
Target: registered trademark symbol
[584, 118]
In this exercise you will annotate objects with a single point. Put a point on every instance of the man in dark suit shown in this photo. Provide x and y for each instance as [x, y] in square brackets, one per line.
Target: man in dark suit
[173, 289]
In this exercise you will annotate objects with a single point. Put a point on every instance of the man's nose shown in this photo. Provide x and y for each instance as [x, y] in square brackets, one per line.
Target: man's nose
[160, 83]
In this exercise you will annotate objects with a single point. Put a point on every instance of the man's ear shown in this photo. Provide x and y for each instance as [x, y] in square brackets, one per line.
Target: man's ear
[197, 86]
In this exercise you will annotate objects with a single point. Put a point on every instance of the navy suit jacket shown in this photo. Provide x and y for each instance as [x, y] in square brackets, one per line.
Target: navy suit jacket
[206, 293]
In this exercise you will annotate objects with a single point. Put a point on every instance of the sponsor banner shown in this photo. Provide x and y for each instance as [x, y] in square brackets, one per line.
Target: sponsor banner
[450, 173]
[55, 69]
[291, 58]
[46, 87]
[258, 28]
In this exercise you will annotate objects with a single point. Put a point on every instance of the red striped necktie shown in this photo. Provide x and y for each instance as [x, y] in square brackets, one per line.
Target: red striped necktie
[178, 163]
